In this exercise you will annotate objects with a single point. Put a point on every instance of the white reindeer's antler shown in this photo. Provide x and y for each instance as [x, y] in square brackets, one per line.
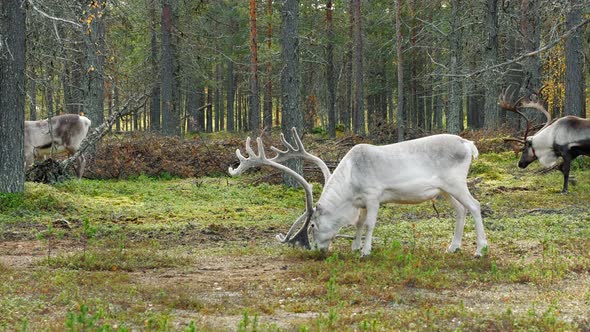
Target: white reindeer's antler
[299, 152]
[300, 237]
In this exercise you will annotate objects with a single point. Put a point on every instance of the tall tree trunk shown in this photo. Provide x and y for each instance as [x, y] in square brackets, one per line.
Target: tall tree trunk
[254, 88]
[491, 110]
[291, 78]
[192, 103]
[401, 119]
[231, 95]
[359, 109]
[200, 115]
[12, 95]
[155, 113]
[169, 67]
[32, 94]
[94, 64]
[454, 119]
[217, 98]
[268, 85]
[49, 89]
[575, 97]
[209, 109]
[330, 83]
[530, 21]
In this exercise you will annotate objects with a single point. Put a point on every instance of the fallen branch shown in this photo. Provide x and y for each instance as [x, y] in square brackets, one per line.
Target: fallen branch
[131, 106]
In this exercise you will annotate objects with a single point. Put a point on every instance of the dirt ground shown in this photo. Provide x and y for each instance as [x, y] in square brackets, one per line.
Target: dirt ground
[214, 279]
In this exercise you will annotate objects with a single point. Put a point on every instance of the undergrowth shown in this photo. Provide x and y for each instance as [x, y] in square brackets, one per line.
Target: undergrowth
[169, 253]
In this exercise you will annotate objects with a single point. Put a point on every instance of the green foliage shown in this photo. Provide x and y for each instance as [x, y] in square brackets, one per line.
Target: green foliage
[188, 254]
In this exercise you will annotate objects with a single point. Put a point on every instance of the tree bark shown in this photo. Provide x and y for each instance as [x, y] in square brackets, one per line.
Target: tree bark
[290, 79]
[454, 119]
[169, 68]
[575, 97]
[155, 112]
[231, 95]
[93, 88]
[12, 96]
[530, 21]
[491, 109]
[330, 83]
[359, 109]
[267, 121]
[400, 73]
[254, 88]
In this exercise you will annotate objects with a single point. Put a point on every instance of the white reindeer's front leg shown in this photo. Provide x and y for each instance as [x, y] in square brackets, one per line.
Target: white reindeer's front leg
[360, 222]
[370, 220]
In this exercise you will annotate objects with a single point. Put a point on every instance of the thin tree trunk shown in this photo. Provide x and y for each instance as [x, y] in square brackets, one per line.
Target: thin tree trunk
[254, 88]
[330, 83]
[169, 87]
[454, 119]
[32, 94]
[209, 110]
[400, 73]
[530, 27]
[155, 112]
[94, 66]
[491, 110]
[359, 109]
[268, 91]
[231, 96]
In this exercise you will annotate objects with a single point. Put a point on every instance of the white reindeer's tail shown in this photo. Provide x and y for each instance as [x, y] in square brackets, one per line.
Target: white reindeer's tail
[472, 148]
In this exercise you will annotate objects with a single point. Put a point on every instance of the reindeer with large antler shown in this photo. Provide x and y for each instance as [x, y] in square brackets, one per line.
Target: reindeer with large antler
[567, 137]
[409, 172]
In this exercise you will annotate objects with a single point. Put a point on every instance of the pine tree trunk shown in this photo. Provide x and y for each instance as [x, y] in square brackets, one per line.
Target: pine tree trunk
[254, 87]
[291, 78]
[330, 83]
[359, 109]
[401, 119]
[531, 68]
[169, 68]
[454, 119]
[231, 96]
[12, 96]
[93, 87]
[268, 85]
[32, 94]
[491, 110]
[575, 98]
[155, 112]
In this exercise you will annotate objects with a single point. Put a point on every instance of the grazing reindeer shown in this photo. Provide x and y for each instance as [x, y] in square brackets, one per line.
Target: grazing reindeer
[409, 172]
[65, 134]
[567, 137]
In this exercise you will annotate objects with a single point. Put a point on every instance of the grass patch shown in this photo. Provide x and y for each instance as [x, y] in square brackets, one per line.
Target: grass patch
[200, 255]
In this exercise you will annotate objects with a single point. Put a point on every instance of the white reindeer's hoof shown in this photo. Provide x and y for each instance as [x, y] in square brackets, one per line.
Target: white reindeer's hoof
[356, 246]
[480, 252]
[365, 253]
[453, 248]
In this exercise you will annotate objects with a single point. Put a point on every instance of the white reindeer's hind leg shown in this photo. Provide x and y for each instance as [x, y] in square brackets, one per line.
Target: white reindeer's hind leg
[464, 197]
[360, 223]
[461, 212]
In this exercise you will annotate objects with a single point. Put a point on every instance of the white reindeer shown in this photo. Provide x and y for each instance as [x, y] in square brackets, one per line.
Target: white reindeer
[409, 172]
[65, 135]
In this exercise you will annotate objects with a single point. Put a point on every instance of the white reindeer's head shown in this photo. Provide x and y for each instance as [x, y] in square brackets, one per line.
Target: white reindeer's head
[302, 229]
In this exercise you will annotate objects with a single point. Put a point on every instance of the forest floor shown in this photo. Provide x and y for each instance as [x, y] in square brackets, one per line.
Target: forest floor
[200, 255]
